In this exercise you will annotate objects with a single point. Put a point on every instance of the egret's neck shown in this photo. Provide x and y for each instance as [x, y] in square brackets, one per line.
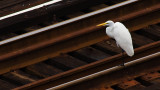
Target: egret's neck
[110, 28]
[109, 31]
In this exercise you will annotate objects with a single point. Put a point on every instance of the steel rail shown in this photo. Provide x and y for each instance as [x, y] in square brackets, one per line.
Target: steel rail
[90, 68]
[115, 78]
[66, 22]
[30, 9]
[45, 13]
[61, 38]
[24, 14]
[106, 71]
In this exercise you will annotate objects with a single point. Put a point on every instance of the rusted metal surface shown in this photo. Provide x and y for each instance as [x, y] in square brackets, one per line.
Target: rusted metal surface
[151, 76]
[24, 14]
[29, 9]
[88, 54]
[54, 40]
[128, 84]
[121, 77]
[74, 59]
[106, 71]
[51, 12]
[61, 38]
[13, 6]
[90, 68]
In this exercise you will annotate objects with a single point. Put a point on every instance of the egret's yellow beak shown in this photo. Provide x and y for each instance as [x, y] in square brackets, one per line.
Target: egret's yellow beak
[101, 24]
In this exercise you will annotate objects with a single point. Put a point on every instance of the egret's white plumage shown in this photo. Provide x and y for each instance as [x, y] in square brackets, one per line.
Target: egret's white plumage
[121, 34]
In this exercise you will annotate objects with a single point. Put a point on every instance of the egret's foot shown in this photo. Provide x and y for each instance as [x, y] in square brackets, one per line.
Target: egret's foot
[122, 65]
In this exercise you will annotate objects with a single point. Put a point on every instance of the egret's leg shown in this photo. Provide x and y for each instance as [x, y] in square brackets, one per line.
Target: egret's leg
[122, 51]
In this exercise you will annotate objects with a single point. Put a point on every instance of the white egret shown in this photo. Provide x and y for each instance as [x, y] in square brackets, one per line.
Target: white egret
[121, 34]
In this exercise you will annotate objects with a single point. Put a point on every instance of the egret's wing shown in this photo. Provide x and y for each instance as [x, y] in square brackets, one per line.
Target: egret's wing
[123, 38]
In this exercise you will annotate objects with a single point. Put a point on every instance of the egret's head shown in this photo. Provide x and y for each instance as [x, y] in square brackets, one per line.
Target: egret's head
[107, 23]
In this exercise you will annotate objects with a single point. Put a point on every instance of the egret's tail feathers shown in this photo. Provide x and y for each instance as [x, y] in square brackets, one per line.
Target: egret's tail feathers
[130, 52]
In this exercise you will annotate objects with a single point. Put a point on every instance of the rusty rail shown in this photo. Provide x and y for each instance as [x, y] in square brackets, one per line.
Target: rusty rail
[51, 40]
[103, 72]
[60, 38]
[29, 9]
[90, 68]
[131, 73]
[48, 11]
[13, 16]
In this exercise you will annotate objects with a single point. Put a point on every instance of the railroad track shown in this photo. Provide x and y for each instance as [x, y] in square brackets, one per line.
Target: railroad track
[85, 61]
[134, 76]
[69, 61]
[13, 6]
[43, 45]
[43, 15]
